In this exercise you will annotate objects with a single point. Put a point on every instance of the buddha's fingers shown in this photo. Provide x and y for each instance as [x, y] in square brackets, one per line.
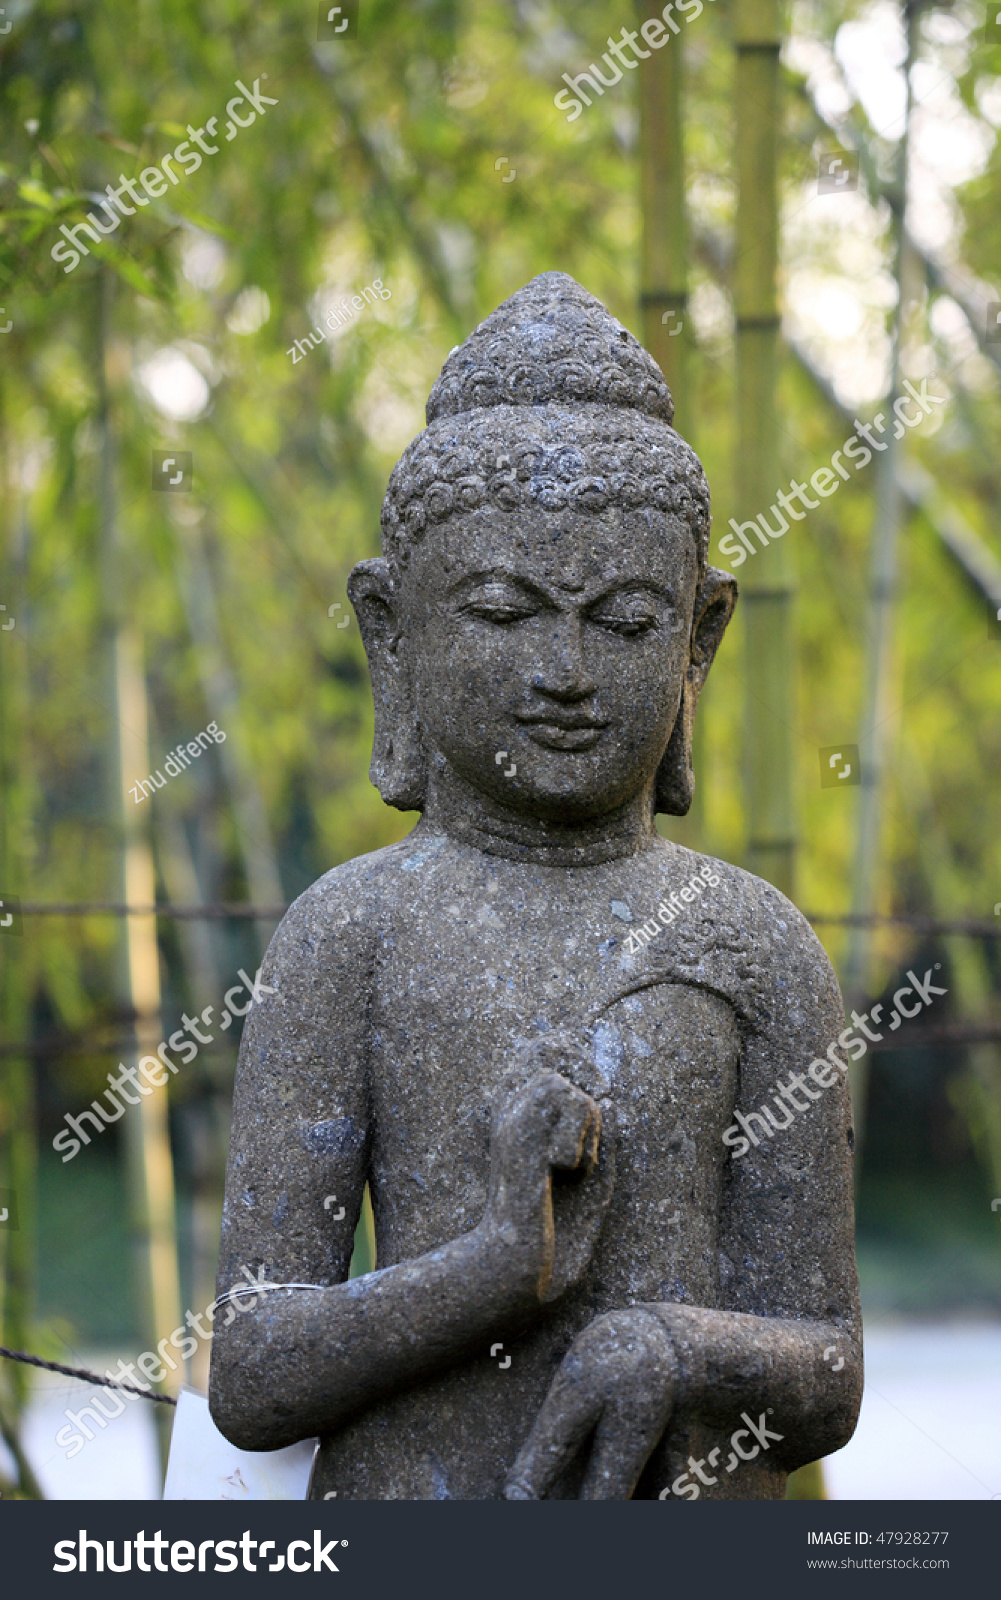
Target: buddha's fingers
[568, 1415]
[579, 1205]
[619, 1376]
[545, 1123]
[629, 1429]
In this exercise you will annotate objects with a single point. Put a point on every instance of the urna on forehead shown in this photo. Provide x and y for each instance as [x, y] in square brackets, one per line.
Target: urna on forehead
[549, 403]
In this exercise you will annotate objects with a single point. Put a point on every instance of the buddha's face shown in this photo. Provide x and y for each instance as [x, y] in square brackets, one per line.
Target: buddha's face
[548, 652]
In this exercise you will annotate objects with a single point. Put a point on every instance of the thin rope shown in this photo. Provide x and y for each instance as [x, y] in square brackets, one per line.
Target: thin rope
[85, 1376]
[245, 1290]
[241, 1293]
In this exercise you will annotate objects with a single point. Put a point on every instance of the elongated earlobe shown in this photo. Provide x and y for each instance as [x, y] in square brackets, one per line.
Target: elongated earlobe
[675, 786]
[713, 609]
[398, 768]
[399, 765]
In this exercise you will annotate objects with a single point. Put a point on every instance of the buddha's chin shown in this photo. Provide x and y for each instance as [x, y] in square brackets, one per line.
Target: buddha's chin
[566, 787]
[557, 798]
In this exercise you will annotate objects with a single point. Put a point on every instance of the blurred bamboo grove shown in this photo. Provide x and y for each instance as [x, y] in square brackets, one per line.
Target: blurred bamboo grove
[182, 503]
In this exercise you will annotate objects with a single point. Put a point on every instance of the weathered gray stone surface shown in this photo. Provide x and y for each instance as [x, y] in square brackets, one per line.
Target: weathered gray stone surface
[537, 1095]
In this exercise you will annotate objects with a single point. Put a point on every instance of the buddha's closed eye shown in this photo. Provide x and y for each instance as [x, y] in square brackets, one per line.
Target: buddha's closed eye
[628, 619]
[630, 626]
[501, 614]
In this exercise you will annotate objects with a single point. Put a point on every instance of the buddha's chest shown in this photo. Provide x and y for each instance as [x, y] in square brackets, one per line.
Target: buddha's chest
[452, 1014]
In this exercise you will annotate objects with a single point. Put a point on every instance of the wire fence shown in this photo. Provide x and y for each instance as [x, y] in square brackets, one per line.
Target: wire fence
[217, 911]
[978, 1032]
[973, 927]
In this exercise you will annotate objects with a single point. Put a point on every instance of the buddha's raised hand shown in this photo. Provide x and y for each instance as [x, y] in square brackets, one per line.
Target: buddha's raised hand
[550, 1178]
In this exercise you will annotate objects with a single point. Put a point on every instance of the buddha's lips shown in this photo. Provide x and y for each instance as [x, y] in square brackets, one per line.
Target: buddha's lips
[563, 733]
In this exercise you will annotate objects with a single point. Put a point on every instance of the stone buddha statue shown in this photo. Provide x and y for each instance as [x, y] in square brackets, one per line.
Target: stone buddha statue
[535, 1027]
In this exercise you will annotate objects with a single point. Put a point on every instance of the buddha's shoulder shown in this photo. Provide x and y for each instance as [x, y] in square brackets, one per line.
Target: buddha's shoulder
[739, 909]
[739, 890]
[358, 895]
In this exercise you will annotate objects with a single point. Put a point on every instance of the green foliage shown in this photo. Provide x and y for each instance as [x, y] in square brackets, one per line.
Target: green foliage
[380, 161]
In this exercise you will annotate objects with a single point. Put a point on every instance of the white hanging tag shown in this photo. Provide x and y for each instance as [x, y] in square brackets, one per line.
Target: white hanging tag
[204, 1466]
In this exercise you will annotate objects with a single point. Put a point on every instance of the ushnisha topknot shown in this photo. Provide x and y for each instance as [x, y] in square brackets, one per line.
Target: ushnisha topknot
[549, 402]
[550, 342]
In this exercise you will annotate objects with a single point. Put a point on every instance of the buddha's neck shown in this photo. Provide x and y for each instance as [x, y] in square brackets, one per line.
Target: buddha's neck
[454, 807]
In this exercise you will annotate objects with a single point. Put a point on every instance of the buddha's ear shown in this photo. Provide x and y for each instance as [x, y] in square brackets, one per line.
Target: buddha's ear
[714, 603]
[398, 767]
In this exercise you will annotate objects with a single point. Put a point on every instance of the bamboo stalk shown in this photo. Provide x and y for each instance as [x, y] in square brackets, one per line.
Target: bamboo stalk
[206, 1141]
[664, 247]
[18, 1136]
[875, 735]
[194, 934]
[767, 588]
[27, 1486]
[664, 292]
[919, 489]
[146, 1125]
[145, 1130]
[970, 967]
[250, 818]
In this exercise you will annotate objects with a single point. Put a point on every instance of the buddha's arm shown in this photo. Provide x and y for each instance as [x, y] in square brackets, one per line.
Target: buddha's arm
[633, 1372]
[786, 1342]
[299, 1363]
[791, 1335]
[729, 1362]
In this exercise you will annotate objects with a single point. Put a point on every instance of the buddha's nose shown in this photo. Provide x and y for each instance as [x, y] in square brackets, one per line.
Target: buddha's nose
[565, 675]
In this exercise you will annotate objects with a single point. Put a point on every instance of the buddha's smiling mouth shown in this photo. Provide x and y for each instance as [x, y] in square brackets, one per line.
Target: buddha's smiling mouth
[572, 732]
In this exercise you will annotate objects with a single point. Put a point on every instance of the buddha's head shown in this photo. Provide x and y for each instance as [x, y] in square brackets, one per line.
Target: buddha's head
[543, 616]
